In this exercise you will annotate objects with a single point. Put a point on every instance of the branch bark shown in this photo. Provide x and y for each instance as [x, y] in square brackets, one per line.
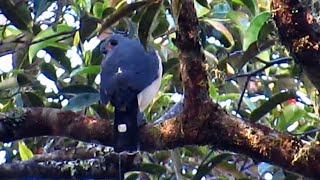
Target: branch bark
[299, 32]
[100, 168]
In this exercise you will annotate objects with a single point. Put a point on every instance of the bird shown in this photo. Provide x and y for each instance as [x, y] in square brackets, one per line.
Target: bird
[130, 78]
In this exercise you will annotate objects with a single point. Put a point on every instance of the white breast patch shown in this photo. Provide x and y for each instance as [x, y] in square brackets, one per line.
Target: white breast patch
[146, 96]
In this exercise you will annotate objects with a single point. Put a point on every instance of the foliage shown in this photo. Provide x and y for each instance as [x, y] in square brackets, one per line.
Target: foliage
[55, 58]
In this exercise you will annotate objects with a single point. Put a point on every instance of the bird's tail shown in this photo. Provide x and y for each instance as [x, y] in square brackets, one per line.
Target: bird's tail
[126, 130]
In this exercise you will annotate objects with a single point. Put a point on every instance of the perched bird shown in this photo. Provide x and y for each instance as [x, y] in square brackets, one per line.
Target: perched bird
[130, 78]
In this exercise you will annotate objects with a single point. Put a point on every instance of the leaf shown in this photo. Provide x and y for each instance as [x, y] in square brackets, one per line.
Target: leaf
[148, 22]
[82, 101]
[18, 13]
[77, 89]
[153, 168]
[218, 26]
[76, 39]
[24, 152]
[95, 69]
[204, 3]
[291, 113]
[31, 100]
[49, 71]
[253, 50]
[270, 104]
[133, 176]
[40, 6]
[34, 48]
[250, 4]
[60, 55]
[98, 8]
[239, 19]
[88, 25]
[254, 29]
[162, 26]
[206, 167]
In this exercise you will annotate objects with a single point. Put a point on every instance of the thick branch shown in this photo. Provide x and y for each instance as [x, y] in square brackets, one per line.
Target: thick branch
[101, 168]
[218, 129]
[192, 63]
[299, 32]
[69, 154]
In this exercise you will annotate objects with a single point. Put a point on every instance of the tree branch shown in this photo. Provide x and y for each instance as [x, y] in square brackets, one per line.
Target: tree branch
[101, 168]
[299, 32]
[220, 130]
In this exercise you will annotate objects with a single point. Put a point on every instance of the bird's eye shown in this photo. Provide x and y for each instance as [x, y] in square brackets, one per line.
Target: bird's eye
[113, 42]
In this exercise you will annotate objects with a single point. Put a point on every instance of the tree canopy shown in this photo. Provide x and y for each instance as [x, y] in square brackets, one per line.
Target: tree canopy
[238, 98]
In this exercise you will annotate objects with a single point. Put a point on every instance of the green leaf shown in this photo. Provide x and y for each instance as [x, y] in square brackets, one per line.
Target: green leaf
[291, 113]
[40, 6]
[31, 100]
[204, 3]
[250, 4]
[162, 26]
[239, 59]
[218, 26]
[18, 13]
[34, 48]
[77, 89]
[270, 104]
[82, 101]
[88, 25]
[24, 152]
[224, 97]
[49, 71]
[60, 55]
[239, 19]
[211, 163]
[153, 168]
[165, 79]
[148, 22]
[95, 69]
[98, 9]
[133, 176]
[76, 39]
[253, 30]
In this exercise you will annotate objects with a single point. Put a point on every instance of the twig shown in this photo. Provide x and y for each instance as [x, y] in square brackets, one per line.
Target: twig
[255, 72]
[124, 11]
[175, 155]
[242, 93]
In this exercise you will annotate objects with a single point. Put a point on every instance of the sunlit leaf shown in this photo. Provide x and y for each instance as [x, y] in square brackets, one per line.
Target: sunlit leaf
[47, 38]
[204, 3]
[76, 39]
[254, 29]
[24, 152]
